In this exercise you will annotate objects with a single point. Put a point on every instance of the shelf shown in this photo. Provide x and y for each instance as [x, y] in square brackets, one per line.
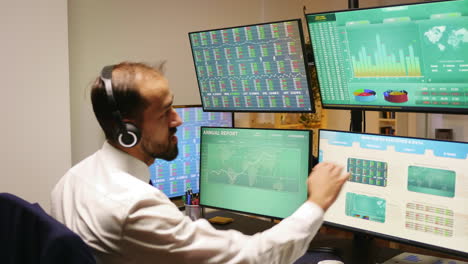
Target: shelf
[396, 124]
[387, 119]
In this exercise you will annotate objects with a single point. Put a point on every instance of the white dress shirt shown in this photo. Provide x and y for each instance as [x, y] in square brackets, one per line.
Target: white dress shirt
[107, 200]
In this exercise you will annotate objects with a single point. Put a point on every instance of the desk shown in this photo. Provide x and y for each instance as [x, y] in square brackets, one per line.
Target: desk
[347, 246]
[245, 224]
[250, 225]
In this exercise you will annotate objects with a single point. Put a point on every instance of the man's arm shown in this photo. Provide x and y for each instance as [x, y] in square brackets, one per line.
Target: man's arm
[156, 230]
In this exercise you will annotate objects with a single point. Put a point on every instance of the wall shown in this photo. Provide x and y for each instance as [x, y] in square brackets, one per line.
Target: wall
[109, 31]
[106, 32]
[459, 124]
[35, 107]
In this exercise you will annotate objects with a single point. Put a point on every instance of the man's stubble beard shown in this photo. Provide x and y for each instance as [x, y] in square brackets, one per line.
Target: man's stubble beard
[170, 153]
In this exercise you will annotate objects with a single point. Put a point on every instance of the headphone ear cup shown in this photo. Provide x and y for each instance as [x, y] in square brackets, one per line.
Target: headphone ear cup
[130, 137]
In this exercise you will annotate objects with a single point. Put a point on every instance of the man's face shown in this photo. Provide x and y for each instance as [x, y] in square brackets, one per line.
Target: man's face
[159, 121]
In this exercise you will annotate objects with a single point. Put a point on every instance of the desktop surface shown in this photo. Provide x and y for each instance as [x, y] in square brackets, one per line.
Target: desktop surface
[342, 241]
[249, 225]
[245, 224]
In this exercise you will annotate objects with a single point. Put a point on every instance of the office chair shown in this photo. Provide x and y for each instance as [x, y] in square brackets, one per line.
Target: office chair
[29, 235]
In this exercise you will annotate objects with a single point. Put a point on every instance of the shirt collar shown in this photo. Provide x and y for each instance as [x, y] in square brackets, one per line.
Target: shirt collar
[123, 161]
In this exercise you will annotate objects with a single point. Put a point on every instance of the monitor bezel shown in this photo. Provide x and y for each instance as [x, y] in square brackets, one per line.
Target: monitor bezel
[385, 236]
[187, 106]
[309, 132]
[306, 67]
[200, 106]
[178, 197]
[415, 109]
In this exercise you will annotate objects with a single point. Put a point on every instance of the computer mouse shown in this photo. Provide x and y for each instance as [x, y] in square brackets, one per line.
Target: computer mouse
[330, 261]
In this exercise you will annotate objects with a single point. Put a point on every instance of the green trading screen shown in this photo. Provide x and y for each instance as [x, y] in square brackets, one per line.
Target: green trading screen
[258, 171]
[401, 58]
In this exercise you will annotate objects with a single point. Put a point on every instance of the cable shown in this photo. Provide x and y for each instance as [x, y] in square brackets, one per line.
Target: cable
[364, 121]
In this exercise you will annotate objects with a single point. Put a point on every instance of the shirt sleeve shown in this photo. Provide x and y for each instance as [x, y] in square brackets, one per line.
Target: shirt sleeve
[156, 231]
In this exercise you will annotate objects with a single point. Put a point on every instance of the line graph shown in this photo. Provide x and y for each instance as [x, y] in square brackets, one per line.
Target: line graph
[253, 166]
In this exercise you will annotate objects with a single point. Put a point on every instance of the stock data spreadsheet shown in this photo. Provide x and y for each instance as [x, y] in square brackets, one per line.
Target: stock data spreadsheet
[252, 68]
[175, 177]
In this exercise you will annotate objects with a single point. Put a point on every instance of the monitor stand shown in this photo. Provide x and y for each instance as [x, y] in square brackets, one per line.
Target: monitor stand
[327, 250]
[356, 248]
[363, 249]
[357, 118]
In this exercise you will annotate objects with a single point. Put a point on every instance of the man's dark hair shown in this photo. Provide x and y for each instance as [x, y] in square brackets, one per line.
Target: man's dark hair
[126, 94]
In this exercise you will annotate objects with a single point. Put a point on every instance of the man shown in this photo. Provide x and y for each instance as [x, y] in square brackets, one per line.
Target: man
[107, 200]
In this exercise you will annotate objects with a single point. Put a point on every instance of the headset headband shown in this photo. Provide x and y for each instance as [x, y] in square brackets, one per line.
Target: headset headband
[106, 77]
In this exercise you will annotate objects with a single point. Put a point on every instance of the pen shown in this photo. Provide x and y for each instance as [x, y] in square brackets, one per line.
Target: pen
[195, 199]
[188, 197]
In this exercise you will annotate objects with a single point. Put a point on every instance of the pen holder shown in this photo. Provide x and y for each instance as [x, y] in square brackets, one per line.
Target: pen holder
[193, 211]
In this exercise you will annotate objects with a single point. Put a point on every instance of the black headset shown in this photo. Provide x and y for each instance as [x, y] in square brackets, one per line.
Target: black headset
[128, 134]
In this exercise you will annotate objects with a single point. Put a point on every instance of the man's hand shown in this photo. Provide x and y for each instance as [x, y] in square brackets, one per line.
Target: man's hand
[325, 182]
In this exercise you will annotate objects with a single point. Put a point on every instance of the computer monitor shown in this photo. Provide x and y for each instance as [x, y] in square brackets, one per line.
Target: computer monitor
[254, 68]
[405, 189]
[256, 171]
[411, 58]
[175, 177]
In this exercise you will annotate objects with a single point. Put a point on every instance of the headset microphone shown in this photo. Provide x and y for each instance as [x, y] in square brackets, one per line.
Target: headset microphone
[127, 134]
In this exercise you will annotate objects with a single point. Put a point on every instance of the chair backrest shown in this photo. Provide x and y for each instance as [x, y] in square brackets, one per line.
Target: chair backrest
[29, 235]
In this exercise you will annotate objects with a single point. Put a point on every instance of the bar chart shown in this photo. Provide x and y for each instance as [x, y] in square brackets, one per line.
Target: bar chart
[379, 62]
